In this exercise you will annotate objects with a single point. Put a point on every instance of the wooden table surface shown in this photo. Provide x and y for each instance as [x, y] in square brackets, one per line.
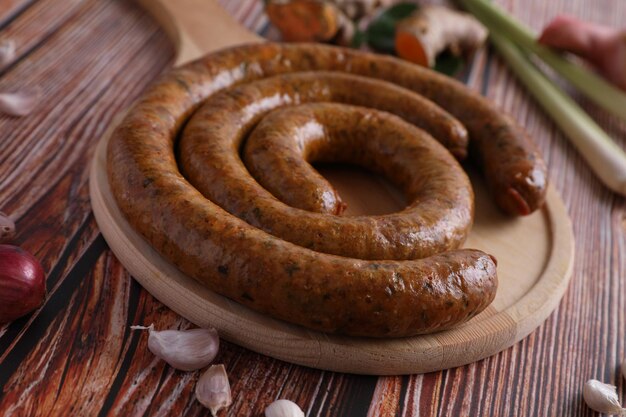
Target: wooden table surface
[77, 356]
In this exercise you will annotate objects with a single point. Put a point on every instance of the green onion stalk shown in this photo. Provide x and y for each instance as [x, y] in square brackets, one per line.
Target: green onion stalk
[515, 42]
[596, 88]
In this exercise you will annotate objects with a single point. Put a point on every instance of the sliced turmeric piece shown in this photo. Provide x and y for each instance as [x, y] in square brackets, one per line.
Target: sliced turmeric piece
[411, 48]
[433, 29]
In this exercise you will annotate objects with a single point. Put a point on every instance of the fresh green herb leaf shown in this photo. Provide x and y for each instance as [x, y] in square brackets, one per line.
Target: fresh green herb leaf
[448, 63]
[358, 39]
[381, 32]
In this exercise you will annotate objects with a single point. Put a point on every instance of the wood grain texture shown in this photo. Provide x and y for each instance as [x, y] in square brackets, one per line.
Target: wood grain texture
[534, 253]
[76, 356]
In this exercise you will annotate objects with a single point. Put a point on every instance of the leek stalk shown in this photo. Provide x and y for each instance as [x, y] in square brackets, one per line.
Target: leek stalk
[605, 158]
[596, 88]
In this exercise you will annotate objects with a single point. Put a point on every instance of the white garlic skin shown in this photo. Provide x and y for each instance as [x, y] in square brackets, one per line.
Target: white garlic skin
[18, 104]
[283, 408]
[7, 51]
[213, 389]
[186, 350]
[602, 398]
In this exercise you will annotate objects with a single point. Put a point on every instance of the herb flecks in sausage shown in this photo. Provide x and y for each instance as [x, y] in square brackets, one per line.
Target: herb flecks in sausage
[325, 292]
[437, 219]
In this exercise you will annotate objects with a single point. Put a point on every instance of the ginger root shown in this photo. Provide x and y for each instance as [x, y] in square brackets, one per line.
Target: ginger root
[433, 29]
[320, 20]
[603, 47]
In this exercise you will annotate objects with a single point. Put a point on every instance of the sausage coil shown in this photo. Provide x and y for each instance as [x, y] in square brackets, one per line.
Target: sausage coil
[175, 171]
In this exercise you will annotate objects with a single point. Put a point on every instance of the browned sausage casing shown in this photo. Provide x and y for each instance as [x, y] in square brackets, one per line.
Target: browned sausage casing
[279, 152]
[441, 210]
[321, 291]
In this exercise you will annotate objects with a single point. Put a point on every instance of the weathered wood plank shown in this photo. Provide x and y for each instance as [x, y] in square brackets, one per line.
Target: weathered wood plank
[57, 196]
[77, 356]
[54, 220]
[35, 24]
[11, 8]
[544, 374]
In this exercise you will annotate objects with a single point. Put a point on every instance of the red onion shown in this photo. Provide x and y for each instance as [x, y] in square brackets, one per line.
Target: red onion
[22, 283]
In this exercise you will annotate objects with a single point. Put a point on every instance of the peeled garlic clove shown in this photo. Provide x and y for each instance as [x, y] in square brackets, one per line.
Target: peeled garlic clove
[18, 104]
[7, 51]
[213, 389]
[602, 398]
[283, 408]
[186, 350]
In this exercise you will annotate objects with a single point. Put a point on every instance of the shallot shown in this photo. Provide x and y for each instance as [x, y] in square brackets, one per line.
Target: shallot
[22, 283]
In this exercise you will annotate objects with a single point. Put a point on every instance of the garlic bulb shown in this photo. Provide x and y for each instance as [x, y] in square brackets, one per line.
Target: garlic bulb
[186, 350]
[213, 389]
[602, 398]
[283, 408]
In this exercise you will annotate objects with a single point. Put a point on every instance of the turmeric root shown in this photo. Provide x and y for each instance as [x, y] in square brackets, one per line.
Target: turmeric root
[320, 20]
[305, 20]
[601, 46]
[433, 29]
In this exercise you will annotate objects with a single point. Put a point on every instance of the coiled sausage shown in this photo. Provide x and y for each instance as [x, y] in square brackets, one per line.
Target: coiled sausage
[322, 291]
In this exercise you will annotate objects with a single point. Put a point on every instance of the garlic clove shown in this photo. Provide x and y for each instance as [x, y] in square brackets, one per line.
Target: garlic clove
[624, 369]
[187, 350]
[213, 389]
[283, 408]
[18, 104]
[602, 398]
[7, 51]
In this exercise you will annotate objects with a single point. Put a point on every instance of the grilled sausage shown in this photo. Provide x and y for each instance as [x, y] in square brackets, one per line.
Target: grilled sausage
[318, 290]
[279, 151]
[441, 210]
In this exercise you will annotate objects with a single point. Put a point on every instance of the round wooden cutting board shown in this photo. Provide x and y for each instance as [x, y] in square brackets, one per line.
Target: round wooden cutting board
[535, 256]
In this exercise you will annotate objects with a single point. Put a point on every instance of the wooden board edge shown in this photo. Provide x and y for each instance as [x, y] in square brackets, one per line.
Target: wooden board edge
[198, 27]
[294, 344]
[558, 270]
